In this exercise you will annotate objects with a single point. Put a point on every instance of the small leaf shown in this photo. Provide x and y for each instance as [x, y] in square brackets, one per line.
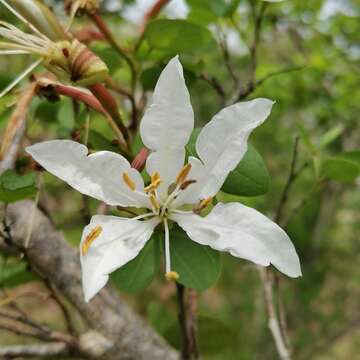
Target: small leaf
[340, 169]
[137, 274]
[150, 76]
[14, 187]
[178, 36]
[198, 266]
[100, 142]
[330, 136]
[214, 336]
[250, 177]
[353, 155]
[15, 274]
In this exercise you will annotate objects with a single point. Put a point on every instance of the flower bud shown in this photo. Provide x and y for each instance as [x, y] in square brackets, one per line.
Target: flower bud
[40, 17]
[74, 61]
[80, 6]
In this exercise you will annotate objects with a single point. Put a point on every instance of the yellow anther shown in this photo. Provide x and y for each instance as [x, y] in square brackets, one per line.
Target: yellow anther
[93, 234]
[172, 276]
[155, 177]
[203, 204]
[154, 202]
[155, 182]
[128, 181]
[184, 172]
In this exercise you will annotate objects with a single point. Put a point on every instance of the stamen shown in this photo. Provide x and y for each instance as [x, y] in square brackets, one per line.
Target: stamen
[20, 77]
[203, 204]
[129, 182]
[154, 202]
[155, 177]
[155, 183]
[172, 276]
[186, 183]
[20, 17]
[184, 172]
[94, 233]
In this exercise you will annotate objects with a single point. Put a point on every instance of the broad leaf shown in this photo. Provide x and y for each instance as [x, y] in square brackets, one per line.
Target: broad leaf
[198, 266]
[250, 177]
[99, 142]
[178, 36]
[340, 169]
[14, 274]
[137, 274]
[14, 187]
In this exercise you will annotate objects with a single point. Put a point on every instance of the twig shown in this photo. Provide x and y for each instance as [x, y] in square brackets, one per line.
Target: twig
[253, 85]
[291, 178]
[109, 104]
[34, 350]
[215, 84]
[273, 322]
[187, 320]
[227, 60]
[102, 26]
[134, 110]
[153, 12]
[64, 309]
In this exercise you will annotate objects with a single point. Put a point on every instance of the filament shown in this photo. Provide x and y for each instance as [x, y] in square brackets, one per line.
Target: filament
[20, 77]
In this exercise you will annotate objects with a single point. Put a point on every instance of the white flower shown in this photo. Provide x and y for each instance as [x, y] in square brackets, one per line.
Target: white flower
[110, 242]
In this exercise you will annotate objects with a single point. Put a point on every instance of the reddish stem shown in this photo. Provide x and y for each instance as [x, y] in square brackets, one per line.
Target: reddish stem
[109, 103]
[90, 100]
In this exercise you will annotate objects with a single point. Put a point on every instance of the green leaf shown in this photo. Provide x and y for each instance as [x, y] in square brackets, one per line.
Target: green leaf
[198, 266]
[214, 336]
[15, 274]
[178, 36]
[353, 155]
[216, 7]
[14, 187]
[137, 274]
[340, 169]
[250, 177]
[100, 142]
[150, 76]
[330, 136]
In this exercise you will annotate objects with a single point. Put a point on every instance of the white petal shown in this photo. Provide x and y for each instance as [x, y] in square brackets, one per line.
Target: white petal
[244, 233]
[168, 122]
[221, 145]
[119, 241]
[98, 175]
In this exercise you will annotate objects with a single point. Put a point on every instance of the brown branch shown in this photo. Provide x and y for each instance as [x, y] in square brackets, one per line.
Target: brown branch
[214, 83]
[253, 85]
[187, 299]
[102, 26]
[109, 104]
[34, 350]
[227, 60]
[50, 255]
[291, 178]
